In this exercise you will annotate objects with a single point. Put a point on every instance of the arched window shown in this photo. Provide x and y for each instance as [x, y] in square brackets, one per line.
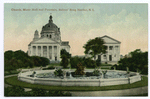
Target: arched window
[50, 36]
[56, 58]
[47, 35]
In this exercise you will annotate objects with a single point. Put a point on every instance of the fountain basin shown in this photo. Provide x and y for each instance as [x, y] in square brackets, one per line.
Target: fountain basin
[76, 81]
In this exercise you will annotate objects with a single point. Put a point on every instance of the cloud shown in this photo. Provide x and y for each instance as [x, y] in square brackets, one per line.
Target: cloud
[77, 28]
[130, 29]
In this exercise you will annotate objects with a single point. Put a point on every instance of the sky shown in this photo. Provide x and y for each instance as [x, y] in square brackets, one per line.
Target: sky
[127, 23]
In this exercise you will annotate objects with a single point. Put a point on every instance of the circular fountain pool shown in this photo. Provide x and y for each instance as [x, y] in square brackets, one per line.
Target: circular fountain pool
[47, 77]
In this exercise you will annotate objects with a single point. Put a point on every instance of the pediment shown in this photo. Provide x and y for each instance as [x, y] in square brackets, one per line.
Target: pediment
[109, 40]
[43, 40]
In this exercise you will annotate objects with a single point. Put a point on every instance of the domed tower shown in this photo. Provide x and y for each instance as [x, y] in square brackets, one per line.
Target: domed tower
[51, 31]
[36, 35]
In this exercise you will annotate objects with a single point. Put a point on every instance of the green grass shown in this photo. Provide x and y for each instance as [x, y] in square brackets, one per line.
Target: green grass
[13, 81]
[105, 64]
[54, 64]
[11, 72]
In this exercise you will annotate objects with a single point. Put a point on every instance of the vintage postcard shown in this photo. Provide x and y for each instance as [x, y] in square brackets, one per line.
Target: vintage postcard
[75, 49]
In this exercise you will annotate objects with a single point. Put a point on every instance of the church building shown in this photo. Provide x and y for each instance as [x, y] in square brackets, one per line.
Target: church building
[49, 44]
[113, 51]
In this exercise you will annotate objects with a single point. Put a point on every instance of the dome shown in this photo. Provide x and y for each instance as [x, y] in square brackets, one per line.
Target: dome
[50, 27]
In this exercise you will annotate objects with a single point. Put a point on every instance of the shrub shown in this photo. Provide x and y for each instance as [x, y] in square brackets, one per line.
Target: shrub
[96, 72]
[88, 62]
[49, 68]
[58, 72]
[80, 69]
[75, 60]
[14, 91]
[64, 61]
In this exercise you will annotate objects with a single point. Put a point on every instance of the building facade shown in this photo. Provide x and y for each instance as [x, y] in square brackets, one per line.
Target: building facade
[113, 51]
[49, 44]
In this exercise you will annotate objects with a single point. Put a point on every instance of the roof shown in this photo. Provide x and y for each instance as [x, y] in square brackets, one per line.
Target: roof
[111, 38]
[44, 40]
[50, 26]
[65, 43]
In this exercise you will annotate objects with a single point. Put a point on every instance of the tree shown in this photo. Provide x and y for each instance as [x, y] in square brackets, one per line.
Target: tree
[136, 61]
[94, 47]
[80, 69]
[75, 60]
[88, 62]
[64, 61]
[64, 52]
[8, 55]
[65, 56]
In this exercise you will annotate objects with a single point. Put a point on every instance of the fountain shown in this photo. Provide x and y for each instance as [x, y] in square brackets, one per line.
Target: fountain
[65, 77]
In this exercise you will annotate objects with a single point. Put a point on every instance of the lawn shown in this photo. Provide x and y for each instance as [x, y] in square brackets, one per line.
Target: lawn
[11, 72]
[14, 81]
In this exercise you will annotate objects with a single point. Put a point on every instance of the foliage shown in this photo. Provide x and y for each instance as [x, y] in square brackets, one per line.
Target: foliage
[20, 59]
[64, 52]
[114, 66]
[14, 91]
[19, 91]
[65, 56]
[38, 92]
[136, 60]
[96, 72]
[49, 68]
[79, 69]
[98, 62]
[58, 72]
[89, 63]
[94, 47]
[75, 60]
[64, 61]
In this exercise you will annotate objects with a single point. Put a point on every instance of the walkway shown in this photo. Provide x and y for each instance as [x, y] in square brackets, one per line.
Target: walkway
[125, 92]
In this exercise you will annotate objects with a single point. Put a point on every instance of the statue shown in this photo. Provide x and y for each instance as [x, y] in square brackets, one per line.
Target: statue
[64, 74]
[104, 74]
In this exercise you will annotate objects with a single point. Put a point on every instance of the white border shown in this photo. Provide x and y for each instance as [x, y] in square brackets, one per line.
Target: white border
[54, 1]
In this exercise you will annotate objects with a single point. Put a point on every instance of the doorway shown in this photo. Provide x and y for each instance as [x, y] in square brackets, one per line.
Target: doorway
[110, 57]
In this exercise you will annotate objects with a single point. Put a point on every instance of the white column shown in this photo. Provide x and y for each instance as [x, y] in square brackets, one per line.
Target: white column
[41, 51]
[48, 52]
[52, 53]
[107, 56]
[58, 53]
[36, 50]
[31, 50]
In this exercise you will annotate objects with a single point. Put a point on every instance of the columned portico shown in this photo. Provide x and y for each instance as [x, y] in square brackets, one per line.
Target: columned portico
[36, 50]
[49, 43]
[48, 52]
[52, 53]
[41, 51]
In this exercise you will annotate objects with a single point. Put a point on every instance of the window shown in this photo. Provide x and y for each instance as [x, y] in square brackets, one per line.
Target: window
[50, 57]
[50, 36]
[110, 47]
[56, 58]
[106, 47]
[104, 56]
[116, 47]
[47, 35]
